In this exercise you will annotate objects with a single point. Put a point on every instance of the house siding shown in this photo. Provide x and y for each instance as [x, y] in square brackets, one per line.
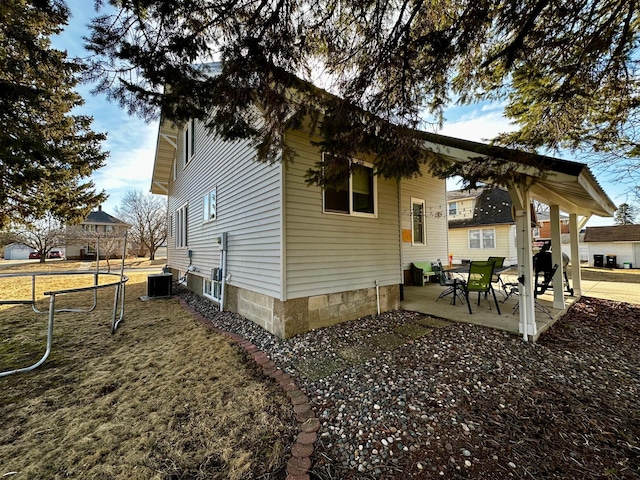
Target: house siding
[624, 252]
[329, 253]
[465, 208]
[505, 244]
[433, 192]
[248, 210]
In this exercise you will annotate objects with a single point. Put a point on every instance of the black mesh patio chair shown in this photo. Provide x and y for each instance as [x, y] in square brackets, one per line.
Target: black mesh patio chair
[498, 263]
[454, 286]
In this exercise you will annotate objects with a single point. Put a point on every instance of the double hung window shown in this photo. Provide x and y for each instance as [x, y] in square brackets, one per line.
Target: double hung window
[181, 223]
[484, 238]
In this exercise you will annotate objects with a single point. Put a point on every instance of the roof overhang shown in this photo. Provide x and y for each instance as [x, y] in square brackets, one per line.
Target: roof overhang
[166, 147]
[570, 185]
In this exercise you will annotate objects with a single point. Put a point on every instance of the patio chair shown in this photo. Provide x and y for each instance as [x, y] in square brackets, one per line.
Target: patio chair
[498, 263]
[454, 286]
[480, 275]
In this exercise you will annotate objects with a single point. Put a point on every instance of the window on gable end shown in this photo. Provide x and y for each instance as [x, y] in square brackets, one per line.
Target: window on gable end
[189, 141]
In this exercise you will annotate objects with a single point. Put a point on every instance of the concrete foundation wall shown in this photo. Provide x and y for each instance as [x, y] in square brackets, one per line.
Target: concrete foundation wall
[293, 317]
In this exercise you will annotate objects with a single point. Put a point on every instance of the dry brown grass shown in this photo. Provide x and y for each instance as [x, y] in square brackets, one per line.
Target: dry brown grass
[162, 398]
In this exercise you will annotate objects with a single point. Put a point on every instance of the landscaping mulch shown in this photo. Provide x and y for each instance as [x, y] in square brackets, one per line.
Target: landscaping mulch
[463, 401]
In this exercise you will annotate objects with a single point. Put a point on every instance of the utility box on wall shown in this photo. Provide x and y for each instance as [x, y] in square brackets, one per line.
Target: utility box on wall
[159, 285]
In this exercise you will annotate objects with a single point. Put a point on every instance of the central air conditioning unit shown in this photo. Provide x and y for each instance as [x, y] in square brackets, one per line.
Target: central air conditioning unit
[159, 285]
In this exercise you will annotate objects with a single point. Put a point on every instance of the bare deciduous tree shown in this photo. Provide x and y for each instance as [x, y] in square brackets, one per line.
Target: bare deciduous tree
[147, 215]
[41, 235]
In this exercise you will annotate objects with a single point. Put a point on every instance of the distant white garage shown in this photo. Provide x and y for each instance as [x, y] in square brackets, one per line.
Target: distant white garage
[16, 251]
[615, 247]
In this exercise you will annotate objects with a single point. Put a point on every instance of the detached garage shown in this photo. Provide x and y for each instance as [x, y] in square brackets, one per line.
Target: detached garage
[614, 247]
[16, 251]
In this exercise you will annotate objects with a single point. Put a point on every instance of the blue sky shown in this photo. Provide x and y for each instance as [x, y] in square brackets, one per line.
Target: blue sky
[132, 142]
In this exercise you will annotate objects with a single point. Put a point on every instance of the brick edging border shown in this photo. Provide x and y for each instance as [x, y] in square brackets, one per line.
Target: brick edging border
[300, 462]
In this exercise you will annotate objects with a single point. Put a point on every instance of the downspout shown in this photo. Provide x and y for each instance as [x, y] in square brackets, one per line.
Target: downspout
[400, 242]
[223, 268]
[378, 295]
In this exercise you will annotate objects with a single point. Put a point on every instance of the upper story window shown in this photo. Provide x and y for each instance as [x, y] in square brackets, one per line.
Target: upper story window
[418, 234]
[482, 238]
[356, 195]
[189, 143]
[181, 224]
[453, 209]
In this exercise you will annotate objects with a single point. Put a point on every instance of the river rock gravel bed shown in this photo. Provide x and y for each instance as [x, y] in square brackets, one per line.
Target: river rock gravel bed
[400, 395]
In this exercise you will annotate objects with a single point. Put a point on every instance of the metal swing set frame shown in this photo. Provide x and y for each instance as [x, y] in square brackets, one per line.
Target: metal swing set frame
[118, 300]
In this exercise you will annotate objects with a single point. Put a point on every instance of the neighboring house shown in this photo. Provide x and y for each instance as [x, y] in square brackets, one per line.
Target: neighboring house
[543, 232]
[16, 251]
[619, 241]
[293, 257]
[544, 225]
[82, 238]
[481, 225]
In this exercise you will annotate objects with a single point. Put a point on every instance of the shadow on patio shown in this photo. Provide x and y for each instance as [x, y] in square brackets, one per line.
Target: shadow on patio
[423, 300]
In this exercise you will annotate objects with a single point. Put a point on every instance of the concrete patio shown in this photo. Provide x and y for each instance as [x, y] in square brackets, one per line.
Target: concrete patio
[423, 300]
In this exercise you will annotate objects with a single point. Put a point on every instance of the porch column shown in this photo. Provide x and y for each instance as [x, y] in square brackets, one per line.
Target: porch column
[522, 216]
[574, 238]
[556, 256]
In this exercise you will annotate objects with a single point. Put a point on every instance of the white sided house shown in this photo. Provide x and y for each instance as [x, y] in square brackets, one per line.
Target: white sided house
[258, 240]
[481, 225]
[616, 246]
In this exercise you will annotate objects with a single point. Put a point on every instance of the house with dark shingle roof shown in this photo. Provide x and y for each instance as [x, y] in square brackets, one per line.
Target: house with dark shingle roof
[481, 225]
[81, 238]
[619, 241]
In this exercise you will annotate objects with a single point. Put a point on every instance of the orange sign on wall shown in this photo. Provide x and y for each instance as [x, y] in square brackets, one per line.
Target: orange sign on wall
[406, 235]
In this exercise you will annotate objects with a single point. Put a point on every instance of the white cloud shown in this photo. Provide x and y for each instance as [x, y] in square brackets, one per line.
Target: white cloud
[127, 168]
[479, 125]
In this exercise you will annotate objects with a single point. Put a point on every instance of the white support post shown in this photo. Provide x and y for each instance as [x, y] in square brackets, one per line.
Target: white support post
[556, 257]
[574, 239]
[521, 200]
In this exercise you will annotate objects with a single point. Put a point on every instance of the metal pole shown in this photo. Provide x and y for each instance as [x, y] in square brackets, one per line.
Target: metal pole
[52, 310]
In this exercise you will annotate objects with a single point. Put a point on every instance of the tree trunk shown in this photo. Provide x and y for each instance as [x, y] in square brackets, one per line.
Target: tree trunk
[42, 259]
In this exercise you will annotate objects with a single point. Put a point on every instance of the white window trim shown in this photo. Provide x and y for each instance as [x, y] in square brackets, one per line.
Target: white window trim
[188, 142]
[212, 286]
[206, 206]
[419, 201]
[482, 247]
[449, 209]
[182, 226]
[204, 291]
[351, 212]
